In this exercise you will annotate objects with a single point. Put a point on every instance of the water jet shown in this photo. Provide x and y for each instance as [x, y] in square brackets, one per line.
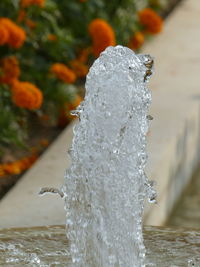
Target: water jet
[106, 185]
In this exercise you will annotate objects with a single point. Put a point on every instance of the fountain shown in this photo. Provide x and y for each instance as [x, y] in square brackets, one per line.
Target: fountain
[106, 184]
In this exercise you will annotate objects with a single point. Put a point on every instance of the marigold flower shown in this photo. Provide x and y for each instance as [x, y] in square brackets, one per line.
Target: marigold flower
[30, 23]
[44, 142]
[3, 35]
[26, 95]
[11, 168]
[26, 162]
[16, 35]
[151, 20]
[79, 68]
[83, 55]
[63, 73]
[62, 118]
[51, 37]
[2, 173]
[136, 41]
[21, 15]
[27, 3]
[10, 70]
[17, 166]
[102, 35]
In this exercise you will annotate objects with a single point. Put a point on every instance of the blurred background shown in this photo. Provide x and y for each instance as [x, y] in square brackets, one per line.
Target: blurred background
[46, 49]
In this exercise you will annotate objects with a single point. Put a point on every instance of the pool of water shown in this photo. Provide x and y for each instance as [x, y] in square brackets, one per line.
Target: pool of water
[48, 246]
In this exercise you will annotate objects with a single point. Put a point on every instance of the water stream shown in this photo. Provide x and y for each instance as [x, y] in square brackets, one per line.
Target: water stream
[105, 185]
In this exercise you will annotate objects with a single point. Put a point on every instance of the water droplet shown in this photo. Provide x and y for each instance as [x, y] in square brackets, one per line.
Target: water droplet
[152, 200]
[69, 222]
[149, 117]
[116, 151]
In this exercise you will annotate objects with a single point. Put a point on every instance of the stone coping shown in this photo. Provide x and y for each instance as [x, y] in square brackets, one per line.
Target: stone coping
[42, 246]
[174, 139]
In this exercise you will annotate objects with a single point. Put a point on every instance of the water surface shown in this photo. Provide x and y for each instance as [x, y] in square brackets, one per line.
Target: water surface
[48, 246]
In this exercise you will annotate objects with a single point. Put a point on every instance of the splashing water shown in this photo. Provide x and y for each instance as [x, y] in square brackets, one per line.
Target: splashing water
[105, 185]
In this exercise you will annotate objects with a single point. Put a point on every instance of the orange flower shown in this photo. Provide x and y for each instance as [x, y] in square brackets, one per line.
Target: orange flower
[27, 3]
[62, 118]
[102, 35]
[51, 37]
[44, 142]
[16, 35]
[17, 166]
[30, 23]
[2, 172]
[3, 35]
[136, 41]
[10, 68]
[11, 168]
[151, 20]
[26, 95]
[26, 162]
[21, 15]
[83, 56]
[79, 68]
[63, 73]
